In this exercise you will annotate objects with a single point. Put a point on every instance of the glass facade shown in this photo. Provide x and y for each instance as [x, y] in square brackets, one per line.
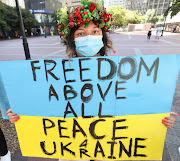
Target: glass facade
[142, 6]
[50, 5]
[35, 4]
[42, 10]
[159, 5]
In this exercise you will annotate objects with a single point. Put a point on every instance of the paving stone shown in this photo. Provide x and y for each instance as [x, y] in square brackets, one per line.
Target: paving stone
[171, 139]
[171, 131]
[166, 156]
[178, 139]
[177, 109]
[177, 118]
[172, 149]
[177, 130]
[177, 124]
[18, 156]
[173, 109]
[175, 158]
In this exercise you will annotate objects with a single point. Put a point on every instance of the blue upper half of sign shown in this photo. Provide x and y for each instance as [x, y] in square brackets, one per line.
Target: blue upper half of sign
[116, 85]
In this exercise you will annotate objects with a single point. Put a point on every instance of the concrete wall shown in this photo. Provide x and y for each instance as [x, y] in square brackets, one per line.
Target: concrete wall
[139, 27]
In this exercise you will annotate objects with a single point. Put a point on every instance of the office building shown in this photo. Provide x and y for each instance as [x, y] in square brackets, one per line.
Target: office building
[142, 6]
[12, 3]
[42, 10]
[48, 5]
[108, 3]
[160, 6]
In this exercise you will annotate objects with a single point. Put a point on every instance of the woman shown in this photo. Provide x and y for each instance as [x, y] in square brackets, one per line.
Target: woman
[83, 31]
[158, 33]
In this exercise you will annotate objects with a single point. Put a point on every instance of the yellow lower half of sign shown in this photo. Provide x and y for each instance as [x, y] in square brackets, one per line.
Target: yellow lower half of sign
[135, 137]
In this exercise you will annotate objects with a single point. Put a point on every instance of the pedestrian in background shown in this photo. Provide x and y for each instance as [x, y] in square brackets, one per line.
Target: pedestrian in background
[162, 32]
[158, 33]
[149, 34]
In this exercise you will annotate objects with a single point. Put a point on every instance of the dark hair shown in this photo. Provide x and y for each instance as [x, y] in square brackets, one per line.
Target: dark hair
[71, 48]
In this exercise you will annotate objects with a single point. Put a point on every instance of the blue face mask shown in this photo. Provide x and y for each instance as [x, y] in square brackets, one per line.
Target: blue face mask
[88, 46]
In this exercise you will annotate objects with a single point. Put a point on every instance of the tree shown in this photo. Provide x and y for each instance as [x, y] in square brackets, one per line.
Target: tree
[55, 16]
[28, 19]
[118, 15]
[123, 17]
[174, 8]
[9, 20]
[4, 13]
[134, 17]
[149, 15]
[151, 18]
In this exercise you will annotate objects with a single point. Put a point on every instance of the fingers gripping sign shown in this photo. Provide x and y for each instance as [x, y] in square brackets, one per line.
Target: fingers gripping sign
[169, 121]
[13, 117]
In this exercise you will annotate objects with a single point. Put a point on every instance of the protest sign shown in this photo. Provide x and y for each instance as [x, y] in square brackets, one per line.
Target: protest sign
[98, 108]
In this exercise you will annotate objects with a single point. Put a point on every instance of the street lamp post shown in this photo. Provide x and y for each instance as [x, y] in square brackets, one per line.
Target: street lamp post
[44, 18]
[25, 43]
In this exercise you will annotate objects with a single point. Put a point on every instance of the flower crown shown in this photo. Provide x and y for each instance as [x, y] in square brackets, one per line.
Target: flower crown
[82, 15]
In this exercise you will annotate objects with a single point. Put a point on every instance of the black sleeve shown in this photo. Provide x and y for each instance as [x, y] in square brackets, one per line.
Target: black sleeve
[3, 145]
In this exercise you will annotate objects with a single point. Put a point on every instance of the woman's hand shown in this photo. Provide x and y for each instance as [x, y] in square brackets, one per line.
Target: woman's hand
[13, 117]
[169, 121]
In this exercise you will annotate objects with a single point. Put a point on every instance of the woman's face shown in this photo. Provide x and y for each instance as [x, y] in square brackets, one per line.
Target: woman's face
[92, 29]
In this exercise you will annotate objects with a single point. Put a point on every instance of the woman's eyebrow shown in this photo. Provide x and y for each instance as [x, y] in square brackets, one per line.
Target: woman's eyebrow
[80, 29]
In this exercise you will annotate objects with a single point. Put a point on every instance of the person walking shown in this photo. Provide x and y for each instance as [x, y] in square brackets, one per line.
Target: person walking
[158, 33]
[149, 34]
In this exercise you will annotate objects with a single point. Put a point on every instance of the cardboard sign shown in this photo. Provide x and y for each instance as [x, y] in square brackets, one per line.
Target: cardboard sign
[102, 108]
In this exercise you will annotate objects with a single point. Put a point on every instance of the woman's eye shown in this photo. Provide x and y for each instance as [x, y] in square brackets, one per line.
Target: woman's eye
[80, 34]
[95, 32]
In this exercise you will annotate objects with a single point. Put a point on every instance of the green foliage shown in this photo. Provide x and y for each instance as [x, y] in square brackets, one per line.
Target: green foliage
[123, 17]
[60, 13]
[54, 17]
[151, 18]
[28, 19]
[149, 15]
[9, 19]
[174, 8]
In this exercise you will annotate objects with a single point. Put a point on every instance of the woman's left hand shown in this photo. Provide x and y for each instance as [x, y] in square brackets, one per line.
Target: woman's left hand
[169, 121]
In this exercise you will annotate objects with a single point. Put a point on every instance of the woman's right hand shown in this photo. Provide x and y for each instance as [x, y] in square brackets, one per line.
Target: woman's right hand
[13, 117]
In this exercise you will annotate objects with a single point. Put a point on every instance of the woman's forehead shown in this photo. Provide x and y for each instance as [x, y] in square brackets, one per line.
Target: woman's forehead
[90, 26]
